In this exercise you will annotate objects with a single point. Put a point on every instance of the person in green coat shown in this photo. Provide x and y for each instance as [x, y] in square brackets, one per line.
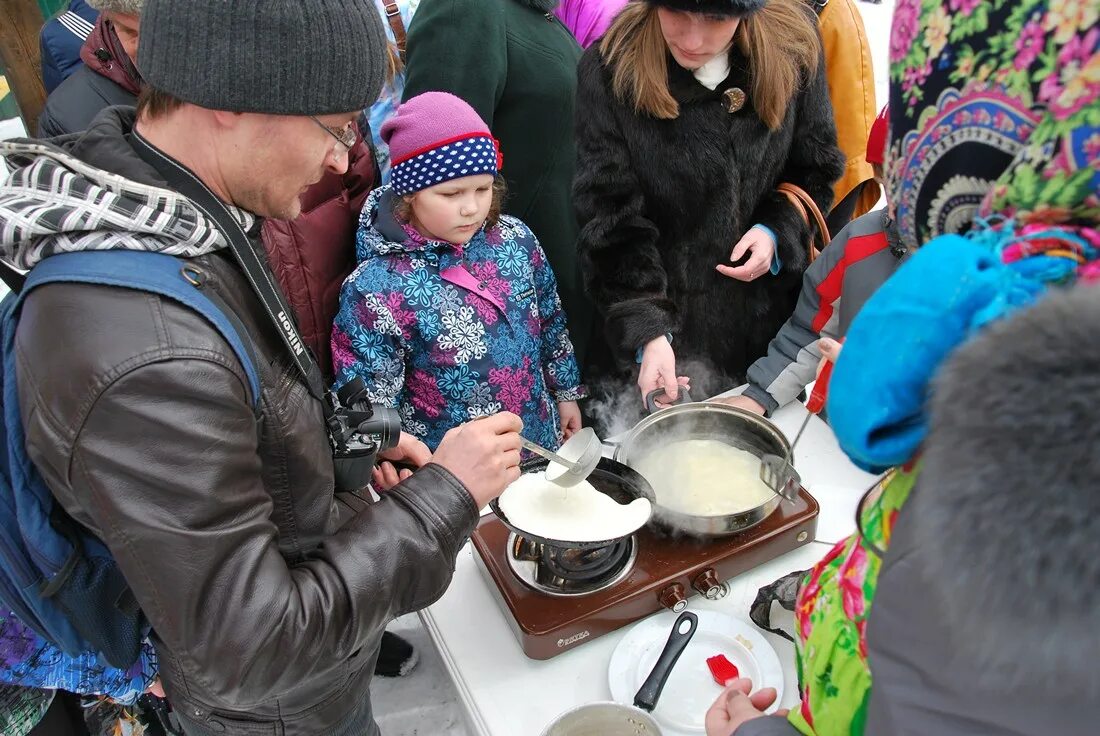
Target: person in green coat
[516, 64]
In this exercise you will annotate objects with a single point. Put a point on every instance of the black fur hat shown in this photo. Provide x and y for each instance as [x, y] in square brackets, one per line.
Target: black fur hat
[712, 7]
[1008, 503]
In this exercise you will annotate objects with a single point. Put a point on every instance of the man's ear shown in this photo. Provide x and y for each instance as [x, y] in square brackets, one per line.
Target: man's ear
[227, 120]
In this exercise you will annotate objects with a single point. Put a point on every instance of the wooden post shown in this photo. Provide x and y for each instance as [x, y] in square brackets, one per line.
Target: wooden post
[20, 23]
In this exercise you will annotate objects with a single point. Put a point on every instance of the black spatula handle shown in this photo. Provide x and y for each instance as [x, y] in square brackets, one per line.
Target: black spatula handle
[647, 695]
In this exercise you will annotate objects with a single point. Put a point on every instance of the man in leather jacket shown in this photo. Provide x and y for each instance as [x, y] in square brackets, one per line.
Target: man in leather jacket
[267, 592]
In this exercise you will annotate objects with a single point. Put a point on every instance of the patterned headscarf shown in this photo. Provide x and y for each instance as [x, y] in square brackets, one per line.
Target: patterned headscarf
[994, 110]
[995, 134]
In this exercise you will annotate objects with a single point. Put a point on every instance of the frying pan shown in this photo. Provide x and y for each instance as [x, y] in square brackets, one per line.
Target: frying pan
[610, 478]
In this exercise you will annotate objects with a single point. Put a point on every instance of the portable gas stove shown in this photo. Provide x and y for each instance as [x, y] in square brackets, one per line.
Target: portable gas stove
[558, 598]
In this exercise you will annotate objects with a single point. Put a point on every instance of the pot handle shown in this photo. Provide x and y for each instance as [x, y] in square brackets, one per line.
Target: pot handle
[652, 396]
[647, 695]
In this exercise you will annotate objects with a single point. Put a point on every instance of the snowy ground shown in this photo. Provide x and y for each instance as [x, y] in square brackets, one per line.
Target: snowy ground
[426, 702]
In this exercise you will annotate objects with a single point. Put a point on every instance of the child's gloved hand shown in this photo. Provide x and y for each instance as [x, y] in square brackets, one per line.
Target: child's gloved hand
[570, 413]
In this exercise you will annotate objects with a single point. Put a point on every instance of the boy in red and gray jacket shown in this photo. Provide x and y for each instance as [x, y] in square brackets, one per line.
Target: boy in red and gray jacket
[834, 288]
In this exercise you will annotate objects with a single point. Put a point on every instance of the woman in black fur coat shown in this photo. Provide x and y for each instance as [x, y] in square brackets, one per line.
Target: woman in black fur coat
[689, 114]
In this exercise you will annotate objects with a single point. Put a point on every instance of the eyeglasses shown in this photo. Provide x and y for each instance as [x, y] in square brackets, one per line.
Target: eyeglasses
[345, 136]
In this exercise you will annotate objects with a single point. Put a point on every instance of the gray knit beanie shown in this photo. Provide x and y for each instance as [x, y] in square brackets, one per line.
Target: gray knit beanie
[129, 7]
[282, 57]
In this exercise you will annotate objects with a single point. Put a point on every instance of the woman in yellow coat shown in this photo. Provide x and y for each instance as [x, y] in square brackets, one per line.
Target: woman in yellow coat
[852, 91]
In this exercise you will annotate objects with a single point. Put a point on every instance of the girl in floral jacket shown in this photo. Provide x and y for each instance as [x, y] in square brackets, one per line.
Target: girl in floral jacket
[453, 312]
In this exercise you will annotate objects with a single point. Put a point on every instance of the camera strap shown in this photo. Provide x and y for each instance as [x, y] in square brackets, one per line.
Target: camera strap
[271, 298]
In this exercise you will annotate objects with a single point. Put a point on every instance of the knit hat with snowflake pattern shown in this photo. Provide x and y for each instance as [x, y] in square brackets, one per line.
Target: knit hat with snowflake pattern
[436, 137]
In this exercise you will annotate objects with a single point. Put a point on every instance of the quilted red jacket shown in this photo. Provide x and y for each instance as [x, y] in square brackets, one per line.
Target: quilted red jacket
[313, 254]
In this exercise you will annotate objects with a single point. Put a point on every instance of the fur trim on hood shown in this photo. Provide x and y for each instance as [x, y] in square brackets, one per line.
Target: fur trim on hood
[1010, 495]
[129, 7]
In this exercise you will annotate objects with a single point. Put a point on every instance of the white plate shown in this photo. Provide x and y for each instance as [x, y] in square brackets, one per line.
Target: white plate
[690, 689]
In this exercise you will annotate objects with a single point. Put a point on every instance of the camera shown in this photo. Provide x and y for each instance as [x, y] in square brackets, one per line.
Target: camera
[358, 431]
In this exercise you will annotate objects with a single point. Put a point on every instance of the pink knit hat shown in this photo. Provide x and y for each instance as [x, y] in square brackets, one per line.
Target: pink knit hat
[436, 137]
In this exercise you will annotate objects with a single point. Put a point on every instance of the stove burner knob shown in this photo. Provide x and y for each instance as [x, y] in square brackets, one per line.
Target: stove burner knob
[708, 584]
[673, 598]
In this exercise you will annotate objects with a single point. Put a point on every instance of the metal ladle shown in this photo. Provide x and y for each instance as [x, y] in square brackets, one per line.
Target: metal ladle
[574, 461]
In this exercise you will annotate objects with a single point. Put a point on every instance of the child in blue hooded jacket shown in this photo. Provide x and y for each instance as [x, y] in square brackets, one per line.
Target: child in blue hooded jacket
[453, 312]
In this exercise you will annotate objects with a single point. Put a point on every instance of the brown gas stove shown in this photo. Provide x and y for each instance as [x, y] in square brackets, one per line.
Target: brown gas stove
[557, 599]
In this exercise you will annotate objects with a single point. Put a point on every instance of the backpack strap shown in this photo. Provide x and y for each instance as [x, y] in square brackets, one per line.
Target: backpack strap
[155, 273]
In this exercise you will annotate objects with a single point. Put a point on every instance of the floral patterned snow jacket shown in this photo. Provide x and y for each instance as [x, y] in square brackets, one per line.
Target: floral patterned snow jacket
[447, 333]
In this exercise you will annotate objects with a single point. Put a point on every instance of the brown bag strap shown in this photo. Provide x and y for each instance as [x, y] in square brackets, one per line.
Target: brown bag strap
[393, 15]
[807, 208]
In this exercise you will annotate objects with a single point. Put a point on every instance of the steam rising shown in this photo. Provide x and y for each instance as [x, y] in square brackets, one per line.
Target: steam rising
[617, 407]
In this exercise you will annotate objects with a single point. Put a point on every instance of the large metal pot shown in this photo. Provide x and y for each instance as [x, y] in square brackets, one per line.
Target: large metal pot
[705, 421]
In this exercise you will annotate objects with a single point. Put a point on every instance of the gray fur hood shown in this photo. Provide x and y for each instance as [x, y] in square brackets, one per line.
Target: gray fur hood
[1009, 507]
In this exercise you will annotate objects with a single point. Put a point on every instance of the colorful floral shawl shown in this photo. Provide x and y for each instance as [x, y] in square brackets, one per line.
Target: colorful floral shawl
[831, 620]
[993, 110]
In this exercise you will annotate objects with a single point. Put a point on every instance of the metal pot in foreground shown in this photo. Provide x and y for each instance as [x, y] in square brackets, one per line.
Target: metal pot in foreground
[615, 719]
[606, 719]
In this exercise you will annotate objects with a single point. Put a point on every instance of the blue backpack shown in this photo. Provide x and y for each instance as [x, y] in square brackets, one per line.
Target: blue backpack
[56, 577]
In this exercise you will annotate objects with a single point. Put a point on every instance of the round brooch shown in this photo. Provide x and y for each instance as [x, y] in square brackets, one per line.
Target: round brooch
[734, 98]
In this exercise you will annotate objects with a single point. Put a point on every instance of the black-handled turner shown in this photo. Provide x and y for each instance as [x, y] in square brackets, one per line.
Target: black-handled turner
[650, 691]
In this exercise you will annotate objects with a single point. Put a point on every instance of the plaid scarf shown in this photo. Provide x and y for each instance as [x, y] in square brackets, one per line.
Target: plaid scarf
[53, 202]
